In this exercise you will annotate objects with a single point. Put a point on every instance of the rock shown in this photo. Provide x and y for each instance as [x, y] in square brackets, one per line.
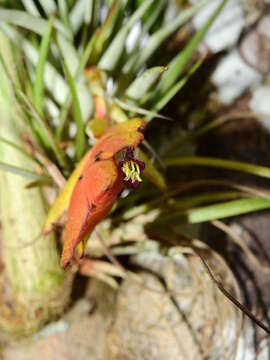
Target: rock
[152, 325]
[227, 27]
[81, 337]
[233, 77]
[255, 47]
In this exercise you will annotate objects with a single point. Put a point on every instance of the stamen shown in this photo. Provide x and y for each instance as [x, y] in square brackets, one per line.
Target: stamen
[138, 173]
[126, 171]
[132, 171]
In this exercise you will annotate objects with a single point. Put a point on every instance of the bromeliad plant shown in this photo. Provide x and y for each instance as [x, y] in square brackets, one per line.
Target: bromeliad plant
[84, 89]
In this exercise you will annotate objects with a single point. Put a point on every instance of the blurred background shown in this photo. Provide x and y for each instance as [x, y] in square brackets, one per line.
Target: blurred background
[161, 269]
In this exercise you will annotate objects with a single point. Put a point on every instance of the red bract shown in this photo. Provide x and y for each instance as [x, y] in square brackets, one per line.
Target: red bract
[102, 179]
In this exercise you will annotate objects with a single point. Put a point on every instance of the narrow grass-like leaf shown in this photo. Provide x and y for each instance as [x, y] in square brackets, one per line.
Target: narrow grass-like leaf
[23, 118]
[47, 132]
[213, 124]
[176, 66]
[53, 80]
[138, 110]
[111, 57]
[77, 15]
[38, 91]
[161, 35]
[39, 183]
[96, 18]
[133, 56]
[219, 163]
[16, 147]
[208, 197]
[152, 173]
[88, 14]
[227, 209]
[92, 267]
[167, 96]
[14, 85]
[105, 32]
[63, 12]
[153, 14]
[214, 212]
[86, 55]
[22, 172]
[71, 58]
[182, 203]
[70, 3]
[68, 52]
[141, 85]
[80, 139]
[23, 19]
[65, 108]
[30, 22]
[31, 8]
[48, 6]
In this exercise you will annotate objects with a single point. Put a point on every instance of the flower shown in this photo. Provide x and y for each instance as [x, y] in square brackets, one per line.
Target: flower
[132, 167]
[108, 166]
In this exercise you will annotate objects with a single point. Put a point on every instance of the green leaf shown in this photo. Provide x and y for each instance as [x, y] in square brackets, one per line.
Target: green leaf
[17, 147]
[72, 60]
[63, 12]
[96, 19]
[43, 126]
[152, 173]
[30, 22]
[22, 172]
[141, 85]
[48, 6]
[163, 100]
[161, 35]
[77, 15]
[52, 79]
[23, 19]
[88, 14]
[105, 32]
[213, 212]
[213, 124]
[8, 75]
[227, 209]
[111, 57]
[31, 8]
[38, 91]
[131, 58]
[138, 110]
[54, 82]
[176, 66]
[80, 140]
[182, 203]
[208, 197]
[39, 183]
[152, 15]
[82, 63]
[219, 163]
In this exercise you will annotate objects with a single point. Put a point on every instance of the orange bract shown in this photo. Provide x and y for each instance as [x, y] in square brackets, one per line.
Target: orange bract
[100, 182]
[91, 200]
[117, 138]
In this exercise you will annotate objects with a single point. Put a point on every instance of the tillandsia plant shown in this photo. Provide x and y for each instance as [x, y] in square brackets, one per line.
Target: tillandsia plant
[32, 281]
[85, 90]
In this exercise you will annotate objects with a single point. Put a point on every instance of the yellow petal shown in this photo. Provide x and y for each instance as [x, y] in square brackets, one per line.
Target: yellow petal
[62, 201]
